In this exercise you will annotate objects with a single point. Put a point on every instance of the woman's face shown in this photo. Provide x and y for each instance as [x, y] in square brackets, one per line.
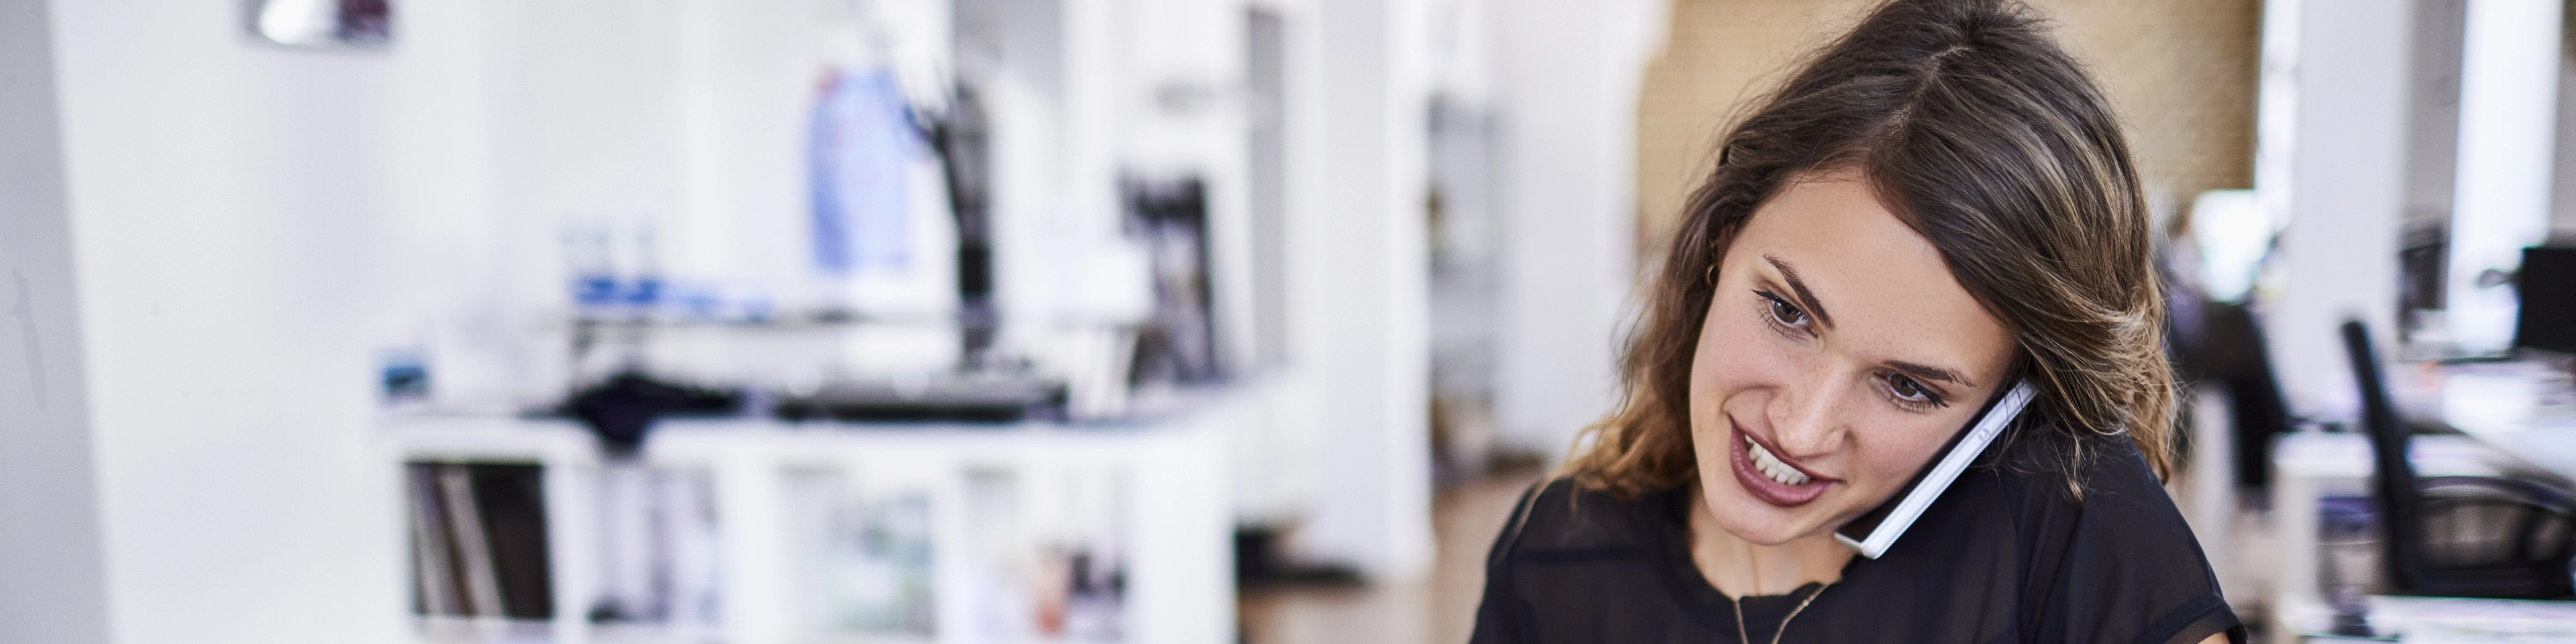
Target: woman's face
[1837, 355]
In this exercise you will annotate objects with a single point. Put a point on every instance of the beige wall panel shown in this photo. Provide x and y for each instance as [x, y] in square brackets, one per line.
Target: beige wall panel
[2181, 74]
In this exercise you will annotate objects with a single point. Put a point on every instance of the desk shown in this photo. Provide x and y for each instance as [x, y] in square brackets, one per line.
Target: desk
[2524, 409]
[2450, 619]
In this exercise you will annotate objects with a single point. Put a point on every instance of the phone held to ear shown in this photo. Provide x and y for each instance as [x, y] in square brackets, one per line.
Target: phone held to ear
[1871, 534]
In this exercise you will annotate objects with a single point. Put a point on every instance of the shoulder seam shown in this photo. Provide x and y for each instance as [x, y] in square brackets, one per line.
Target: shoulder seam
[1528, 502]
[1500, 564]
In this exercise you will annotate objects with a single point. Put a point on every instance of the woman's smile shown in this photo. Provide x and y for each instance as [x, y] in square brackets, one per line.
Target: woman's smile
[1768, 477]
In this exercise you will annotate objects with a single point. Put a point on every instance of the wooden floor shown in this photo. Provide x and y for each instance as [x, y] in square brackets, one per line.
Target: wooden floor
[1437, 610]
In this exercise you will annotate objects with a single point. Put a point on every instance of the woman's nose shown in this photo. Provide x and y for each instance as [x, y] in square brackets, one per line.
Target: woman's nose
[1808, 420]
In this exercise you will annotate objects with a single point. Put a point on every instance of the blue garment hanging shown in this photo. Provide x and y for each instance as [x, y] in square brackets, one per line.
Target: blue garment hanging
[862, 139]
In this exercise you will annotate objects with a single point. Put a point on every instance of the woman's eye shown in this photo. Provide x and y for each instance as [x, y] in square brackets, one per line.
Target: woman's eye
[1782, 312]
[1907, 390]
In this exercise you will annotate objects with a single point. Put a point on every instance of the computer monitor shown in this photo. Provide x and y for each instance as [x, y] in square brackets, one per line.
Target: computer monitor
[2547, 286]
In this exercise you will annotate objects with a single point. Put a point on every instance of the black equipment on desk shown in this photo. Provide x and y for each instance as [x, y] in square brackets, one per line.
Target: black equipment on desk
[984, 399]
[2546, 284]
[2529, 529]
[621, 409]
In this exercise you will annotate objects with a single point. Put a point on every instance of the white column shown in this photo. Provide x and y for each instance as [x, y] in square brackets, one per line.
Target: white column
[1566, 101]
[52, 570]
[2508, 136]
[1359, 273]
[2345, 191]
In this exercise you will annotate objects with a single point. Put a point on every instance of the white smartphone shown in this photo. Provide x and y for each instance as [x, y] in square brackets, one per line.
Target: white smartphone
[1871, 534]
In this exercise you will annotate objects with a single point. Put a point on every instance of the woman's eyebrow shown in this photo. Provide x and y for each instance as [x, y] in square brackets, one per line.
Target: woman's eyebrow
[1929, 372]
[1799, 288]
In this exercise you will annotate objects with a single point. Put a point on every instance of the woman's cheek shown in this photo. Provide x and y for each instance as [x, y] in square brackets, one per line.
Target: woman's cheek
[1750, 356]
[1888, 458]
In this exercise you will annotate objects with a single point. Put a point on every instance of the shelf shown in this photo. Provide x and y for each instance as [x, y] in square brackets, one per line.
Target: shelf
[1166, 476]
[464, 630]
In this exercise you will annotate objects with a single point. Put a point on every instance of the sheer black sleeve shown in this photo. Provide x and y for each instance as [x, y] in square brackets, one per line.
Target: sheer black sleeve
[2119, 565]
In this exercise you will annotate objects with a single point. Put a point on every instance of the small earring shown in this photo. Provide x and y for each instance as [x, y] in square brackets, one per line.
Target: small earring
[1708, 277]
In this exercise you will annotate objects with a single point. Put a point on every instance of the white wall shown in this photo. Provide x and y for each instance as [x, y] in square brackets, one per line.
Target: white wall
[2346, 179]
[52, 581]
[1566, 86]
[242, 216]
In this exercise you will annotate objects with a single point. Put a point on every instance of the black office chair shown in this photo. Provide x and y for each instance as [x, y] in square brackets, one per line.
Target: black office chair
[2458, 536]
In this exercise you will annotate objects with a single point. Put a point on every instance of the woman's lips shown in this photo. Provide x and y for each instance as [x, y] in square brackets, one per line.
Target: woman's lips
[1762, 487]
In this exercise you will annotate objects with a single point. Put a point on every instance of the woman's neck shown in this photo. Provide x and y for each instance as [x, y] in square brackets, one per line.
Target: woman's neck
[1742, 568]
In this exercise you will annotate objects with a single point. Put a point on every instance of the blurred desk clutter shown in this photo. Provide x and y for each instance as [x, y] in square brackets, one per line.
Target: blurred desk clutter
[966, 381]
[896, 477]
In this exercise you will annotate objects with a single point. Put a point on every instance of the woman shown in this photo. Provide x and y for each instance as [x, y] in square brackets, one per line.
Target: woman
[1938, 206]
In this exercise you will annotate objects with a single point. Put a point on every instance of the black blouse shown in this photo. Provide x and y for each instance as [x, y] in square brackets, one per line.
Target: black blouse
[2007, 554]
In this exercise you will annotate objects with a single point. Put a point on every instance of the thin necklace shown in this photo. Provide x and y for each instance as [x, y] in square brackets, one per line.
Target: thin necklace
[1741, 636]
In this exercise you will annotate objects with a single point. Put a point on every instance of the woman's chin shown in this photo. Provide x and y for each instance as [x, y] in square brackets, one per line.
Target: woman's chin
[1761, 523]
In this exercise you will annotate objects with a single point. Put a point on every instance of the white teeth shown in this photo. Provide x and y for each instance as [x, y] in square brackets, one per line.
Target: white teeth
[1771, 466]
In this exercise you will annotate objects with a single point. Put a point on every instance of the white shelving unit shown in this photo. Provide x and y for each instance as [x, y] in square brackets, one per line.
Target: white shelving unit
[1175, 524]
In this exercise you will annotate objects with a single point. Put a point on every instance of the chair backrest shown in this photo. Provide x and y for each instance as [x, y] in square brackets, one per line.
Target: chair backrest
[2401, 505]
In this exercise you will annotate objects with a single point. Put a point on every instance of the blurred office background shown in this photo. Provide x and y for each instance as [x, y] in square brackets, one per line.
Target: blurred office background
[770, 321]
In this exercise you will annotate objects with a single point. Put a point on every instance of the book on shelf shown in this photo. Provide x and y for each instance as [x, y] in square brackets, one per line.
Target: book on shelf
[433, 580]
[478, 533]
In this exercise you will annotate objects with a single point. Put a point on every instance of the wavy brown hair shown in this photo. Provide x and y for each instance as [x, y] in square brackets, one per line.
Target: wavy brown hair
[1986, 138]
